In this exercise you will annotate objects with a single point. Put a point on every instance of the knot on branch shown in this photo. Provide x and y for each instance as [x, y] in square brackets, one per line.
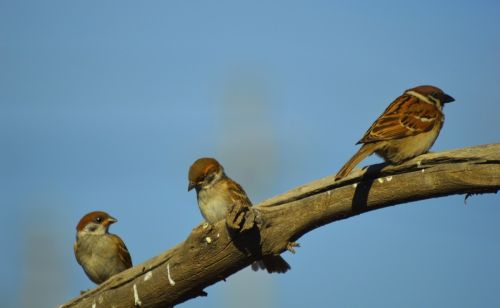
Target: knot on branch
[241, 218]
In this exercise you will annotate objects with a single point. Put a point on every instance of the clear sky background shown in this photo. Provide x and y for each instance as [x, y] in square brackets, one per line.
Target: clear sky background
[105, 104]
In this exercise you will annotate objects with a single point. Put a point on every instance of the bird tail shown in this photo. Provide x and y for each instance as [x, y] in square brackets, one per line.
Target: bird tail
[366, 150]
[273, 264]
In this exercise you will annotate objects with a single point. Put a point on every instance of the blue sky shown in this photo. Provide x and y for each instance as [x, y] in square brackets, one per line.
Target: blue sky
[104, 105]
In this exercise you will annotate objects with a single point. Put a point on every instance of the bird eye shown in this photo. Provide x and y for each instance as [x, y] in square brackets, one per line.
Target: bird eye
[210, 177]
[98, 219]
[435, 97]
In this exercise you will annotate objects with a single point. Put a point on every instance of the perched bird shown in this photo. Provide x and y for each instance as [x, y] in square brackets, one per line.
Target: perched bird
[100, 253]
[216, 193]
[406, 129]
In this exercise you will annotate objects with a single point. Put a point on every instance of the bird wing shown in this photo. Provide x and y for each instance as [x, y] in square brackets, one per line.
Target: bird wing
[406, 116]
[75, 248]
[123, 253]
[238, 194]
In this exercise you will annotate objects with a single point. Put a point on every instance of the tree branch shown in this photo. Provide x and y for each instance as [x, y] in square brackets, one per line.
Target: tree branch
[212, 253]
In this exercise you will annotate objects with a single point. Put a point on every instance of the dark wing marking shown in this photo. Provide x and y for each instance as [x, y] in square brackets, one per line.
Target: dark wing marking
[124, 255]
[238, 194]
[406, 116]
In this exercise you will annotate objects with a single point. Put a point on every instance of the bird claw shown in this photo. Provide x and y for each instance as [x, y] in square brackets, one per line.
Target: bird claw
[291, 246]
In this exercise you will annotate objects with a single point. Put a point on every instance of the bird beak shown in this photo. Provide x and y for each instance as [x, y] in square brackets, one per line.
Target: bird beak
[112, 220]
[447, 99]
[191, 185]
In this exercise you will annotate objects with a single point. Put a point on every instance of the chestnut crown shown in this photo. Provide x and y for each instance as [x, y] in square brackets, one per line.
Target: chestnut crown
[434, 94]
[97, 219]
[203, 171]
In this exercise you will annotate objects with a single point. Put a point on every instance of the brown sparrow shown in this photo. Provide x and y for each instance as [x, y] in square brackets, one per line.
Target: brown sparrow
[406, 129]
[216, 193]
[100, 253]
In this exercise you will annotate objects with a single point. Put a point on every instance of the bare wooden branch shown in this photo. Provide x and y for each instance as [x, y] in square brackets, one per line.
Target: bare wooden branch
[212, 253]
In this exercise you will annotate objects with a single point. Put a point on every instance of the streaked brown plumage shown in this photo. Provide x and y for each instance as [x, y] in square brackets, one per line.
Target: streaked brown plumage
[406, 129]
[216, 193]
[100, 253]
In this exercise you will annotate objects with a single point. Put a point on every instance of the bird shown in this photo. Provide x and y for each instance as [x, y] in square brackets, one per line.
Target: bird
[100, 253]
[406, 129]
[216, 193]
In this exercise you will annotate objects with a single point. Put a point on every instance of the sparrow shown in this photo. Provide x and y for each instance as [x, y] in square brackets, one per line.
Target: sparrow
[406, 129]
[216, 193]
[100, 253]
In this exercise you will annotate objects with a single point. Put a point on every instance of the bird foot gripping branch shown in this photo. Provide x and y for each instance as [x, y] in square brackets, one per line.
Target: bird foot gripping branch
[291, 246]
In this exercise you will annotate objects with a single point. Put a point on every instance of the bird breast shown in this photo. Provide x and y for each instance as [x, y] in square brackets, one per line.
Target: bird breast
[98, 257]
[213, 205]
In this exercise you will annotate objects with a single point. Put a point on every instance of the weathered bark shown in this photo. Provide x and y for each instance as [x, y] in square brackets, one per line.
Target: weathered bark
[212, 253]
